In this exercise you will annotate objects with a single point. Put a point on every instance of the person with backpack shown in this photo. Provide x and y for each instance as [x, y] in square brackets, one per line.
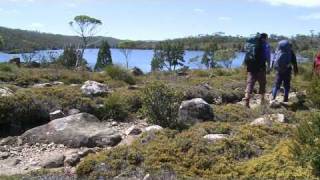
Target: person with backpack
[257, 60]
[316, 65]
[284, 59]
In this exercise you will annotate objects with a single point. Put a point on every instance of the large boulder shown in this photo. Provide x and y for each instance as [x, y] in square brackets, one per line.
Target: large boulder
[80, 130]
[94, 88]
[15, 61]
[195, 110]
[137, 71]
[204, 91]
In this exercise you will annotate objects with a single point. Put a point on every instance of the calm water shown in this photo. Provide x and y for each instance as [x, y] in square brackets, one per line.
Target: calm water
[138, 58]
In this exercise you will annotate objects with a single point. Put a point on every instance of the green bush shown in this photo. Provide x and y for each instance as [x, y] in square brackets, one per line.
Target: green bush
[306, 143]
[5, 67]
[190, 156]
[314, 91]
[114, 108]
[21, 112]
[161, 105]
[118, 73]
[234, 113]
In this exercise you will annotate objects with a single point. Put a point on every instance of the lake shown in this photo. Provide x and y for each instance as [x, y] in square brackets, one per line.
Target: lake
[138, 58]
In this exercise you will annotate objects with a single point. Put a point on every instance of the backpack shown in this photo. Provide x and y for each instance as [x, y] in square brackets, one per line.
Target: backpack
[317, 64]
[250, 48]
[283, 57]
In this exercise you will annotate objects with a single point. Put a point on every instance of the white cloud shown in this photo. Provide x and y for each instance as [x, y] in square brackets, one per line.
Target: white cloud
[9, 12]
[199, 10]
[314, 16]
[224, 18]
[71, 5]
[300, 3]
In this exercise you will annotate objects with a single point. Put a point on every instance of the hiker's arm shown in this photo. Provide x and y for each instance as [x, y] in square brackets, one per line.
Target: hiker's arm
[268, 55]
[294, 63]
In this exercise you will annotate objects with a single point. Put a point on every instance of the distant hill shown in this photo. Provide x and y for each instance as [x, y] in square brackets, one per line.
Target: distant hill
[17, 40]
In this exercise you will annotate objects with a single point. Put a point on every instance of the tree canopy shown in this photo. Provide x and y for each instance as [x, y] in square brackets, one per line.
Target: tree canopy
[168, 55]
[104, 56]
[86, 28]
[1, 43]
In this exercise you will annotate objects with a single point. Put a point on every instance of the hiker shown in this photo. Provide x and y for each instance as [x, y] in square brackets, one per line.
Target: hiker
[257, 60]
[316, 65]
[284, 59]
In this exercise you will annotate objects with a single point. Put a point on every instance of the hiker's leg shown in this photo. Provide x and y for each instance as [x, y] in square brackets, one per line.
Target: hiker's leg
[250, 85]
[287, 86]
[262, 78]
[276, 86]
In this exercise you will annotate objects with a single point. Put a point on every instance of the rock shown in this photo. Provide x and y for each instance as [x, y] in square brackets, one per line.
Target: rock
[215, 137]
[194, 111]
[15, 61]
[105, 139]
[153, 128]
[85, 152]
[33, 64]
[133, 87]
[14, 162]
[137, 71]
[72, 160]
[94, 88]
[8, 141]
[42, 85]
[114, 123]
[56, 115]
[204, 91]
[5, 92]
[53, 161]
[73, 112]
[183, 71]
[279, 118]
[275, 104]
[80, 130]
[261, 122]
[133, 130]
[57, 83]
[4, 155]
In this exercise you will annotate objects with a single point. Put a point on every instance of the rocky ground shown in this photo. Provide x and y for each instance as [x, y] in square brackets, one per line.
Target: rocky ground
[17, 157]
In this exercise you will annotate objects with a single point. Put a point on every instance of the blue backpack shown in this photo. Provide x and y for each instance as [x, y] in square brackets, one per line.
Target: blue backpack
[283, 56]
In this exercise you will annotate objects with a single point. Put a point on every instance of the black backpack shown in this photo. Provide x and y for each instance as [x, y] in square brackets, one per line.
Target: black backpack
[250, 48]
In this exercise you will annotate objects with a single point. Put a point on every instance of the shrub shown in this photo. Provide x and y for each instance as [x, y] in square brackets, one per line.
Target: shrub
[306, 144]
[118, 73]
[234, 113]
[161, 104]
[115, 108]
[4, 67]
[189, 156]
[314, 91]
[21, 112]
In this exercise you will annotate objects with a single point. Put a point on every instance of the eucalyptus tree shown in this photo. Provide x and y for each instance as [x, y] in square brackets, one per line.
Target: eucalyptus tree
[168, 55]
[125, 48]
[208, 58]
[86, 27]
[225, 56]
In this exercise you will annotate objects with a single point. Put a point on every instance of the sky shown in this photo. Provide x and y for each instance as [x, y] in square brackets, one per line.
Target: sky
[165, 19]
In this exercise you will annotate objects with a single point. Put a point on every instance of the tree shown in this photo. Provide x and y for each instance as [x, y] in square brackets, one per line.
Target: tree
[125, 48]
[86, 28]
[208, 56]
[169, 55]
[225, 56]
[104, 56]
[69, 57]
[1, 43]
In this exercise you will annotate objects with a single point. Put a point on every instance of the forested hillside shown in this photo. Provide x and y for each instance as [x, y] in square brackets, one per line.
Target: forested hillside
[21, 40]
